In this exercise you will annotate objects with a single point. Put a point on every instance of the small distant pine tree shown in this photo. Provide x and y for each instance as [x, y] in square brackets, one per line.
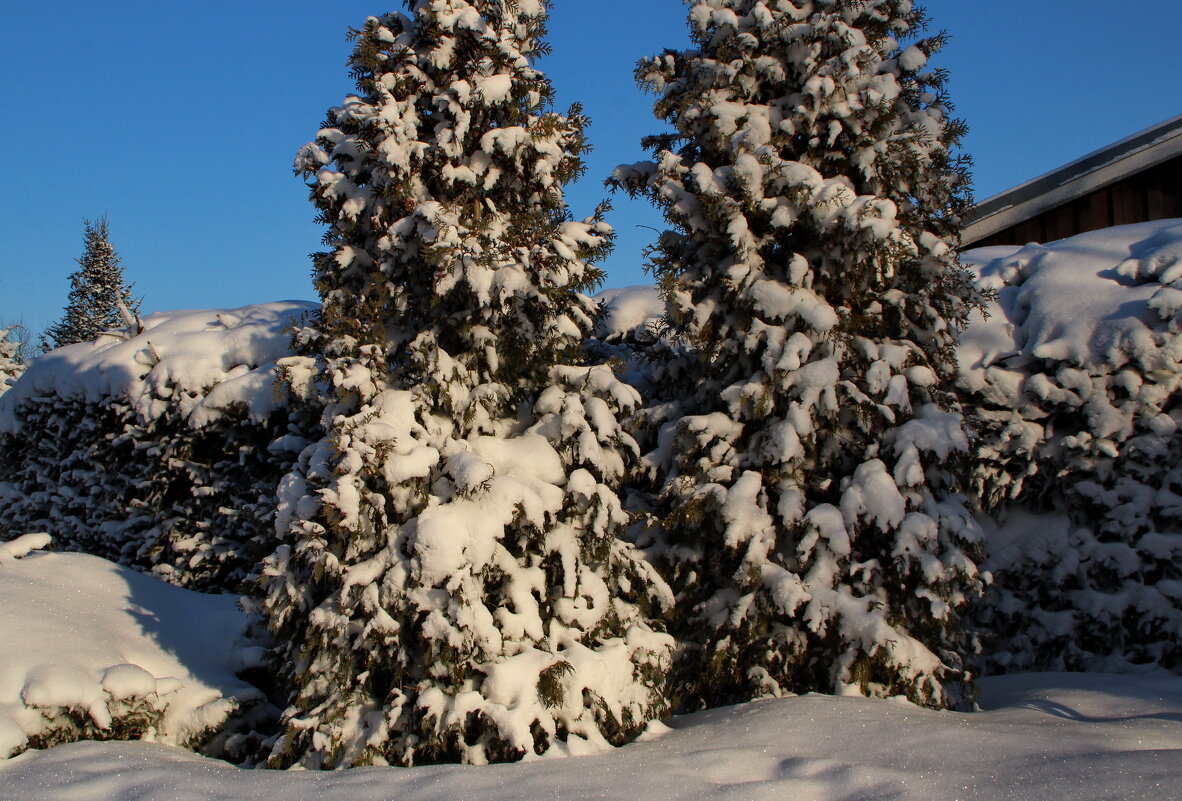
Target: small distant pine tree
[97, 290]
[806, 454]
[454, 587]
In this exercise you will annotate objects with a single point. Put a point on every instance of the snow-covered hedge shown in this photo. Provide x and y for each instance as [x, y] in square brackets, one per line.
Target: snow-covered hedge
[1073, 379]
[160, 449]
[93, 651]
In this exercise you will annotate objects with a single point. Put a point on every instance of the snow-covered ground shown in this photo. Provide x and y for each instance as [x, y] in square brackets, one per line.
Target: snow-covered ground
[1044, 737]
[1039, 736]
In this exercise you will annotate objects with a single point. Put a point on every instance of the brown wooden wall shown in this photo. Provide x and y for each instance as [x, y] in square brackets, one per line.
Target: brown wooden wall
[1155, 194]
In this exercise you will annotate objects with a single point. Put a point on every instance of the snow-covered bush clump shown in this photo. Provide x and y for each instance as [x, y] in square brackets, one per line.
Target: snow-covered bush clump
[1074, 379]
[160, 450]
[95, 651]
[454, 588]
[806, 448]
[630, 333]
[11, 365]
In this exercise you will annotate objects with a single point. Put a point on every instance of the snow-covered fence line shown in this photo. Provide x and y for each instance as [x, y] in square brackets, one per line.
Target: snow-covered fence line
[159, 450]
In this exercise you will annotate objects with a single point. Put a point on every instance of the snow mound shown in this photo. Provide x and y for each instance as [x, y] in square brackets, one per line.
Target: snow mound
[23, 545]
[94, 650]
[202, 360]
[1054, 737]
[1104, 298]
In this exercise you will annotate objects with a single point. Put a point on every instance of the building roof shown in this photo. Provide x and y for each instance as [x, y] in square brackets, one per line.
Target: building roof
[1097, 170]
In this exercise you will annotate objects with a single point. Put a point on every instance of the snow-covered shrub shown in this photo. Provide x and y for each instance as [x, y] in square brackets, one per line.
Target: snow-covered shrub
[11, 365]
[454, 588]
[161, 450]
[1074, 381]
[804, 448]
[630, 333]
[94, 651]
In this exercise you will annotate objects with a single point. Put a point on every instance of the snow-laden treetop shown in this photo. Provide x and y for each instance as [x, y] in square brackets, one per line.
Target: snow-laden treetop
[452, 251]
[813, 155]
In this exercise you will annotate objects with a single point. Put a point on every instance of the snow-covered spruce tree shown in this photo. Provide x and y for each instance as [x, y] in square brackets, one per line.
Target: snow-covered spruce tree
[806, 454]
[454, 588]
[97, 289]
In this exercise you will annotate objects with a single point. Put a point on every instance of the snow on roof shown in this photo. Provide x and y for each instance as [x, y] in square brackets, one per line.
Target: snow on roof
[1096, 170]
[199, 361]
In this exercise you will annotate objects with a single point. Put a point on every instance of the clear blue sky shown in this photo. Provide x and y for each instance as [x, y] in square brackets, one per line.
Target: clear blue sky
[179, 121]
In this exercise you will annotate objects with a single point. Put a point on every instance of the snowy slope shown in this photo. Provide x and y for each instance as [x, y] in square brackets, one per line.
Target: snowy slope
[1053, 737]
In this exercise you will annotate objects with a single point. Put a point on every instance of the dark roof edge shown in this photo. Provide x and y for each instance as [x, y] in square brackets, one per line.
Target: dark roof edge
[1057, 186]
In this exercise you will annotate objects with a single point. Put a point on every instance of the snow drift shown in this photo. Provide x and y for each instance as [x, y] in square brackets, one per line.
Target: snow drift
[92, 650]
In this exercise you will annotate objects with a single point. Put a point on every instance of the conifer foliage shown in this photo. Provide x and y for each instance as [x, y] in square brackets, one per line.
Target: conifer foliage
[453, 587]
[97, 290]
[805, 456]
[1078, 404]
[160, 451]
